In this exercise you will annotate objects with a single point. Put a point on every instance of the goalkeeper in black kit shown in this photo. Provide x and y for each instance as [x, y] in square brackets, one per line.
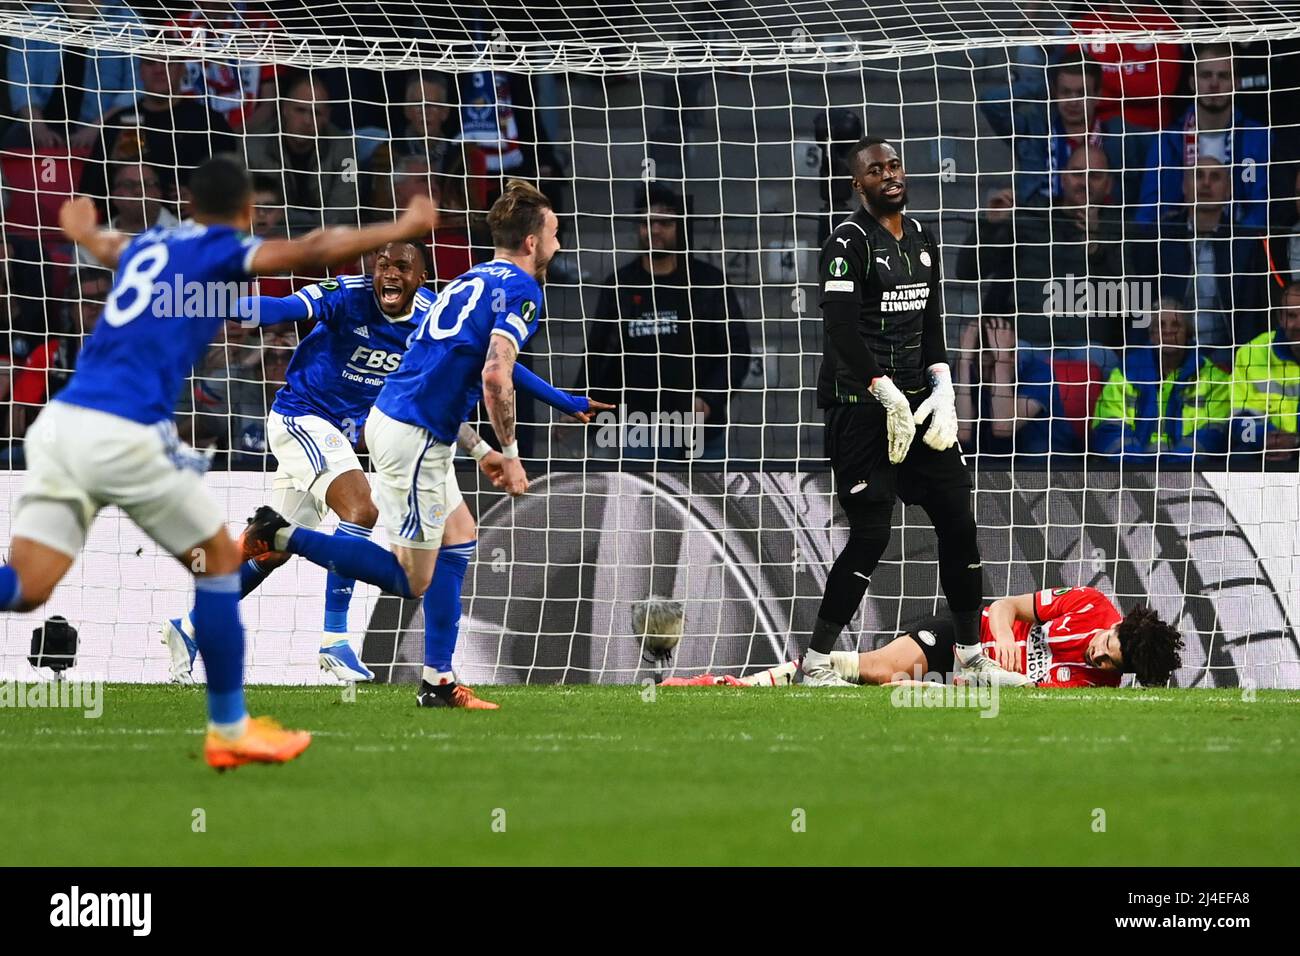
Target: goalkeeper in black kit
[884, 373]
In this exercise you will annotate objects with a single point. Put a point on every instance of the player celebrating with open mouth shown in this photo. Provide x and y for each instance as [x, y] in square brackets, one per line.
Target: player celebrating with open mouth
[364, 324]
[464, 349]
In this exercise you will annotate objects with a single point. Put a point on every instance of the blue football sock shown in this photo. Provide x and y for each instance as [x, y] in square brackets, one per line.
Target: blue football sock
[442, 605]
[220, 636]
[338, 589]
[11, 589]
[351, 558]
[252, 573]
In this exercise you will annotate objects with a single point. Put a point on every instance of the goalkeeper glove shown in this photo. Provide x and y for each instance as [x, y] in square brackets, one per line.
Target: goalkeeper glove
[898, 417]
[942, 405]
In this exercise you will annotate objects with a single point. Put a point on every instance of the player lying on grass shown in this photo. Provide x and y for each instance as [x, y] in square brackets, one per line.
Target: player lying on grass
[109, 438]
[1069, 637]
[363, 325]
[464, 350]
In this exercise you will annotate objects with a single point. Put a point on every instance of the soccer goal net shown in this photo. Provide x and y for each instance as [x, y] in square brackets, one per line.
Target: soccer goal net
[1113, 187]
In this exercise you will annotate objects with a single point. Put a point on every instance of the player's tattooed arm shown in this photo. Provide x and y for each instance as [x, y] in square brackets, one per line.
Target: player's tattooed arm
[467, 437]
[498, 386]
[79, 222]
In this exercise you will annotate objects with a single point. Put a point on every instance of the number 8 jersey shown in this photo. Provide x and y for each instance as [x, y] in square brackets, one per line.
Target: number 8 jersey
[440, 380]
[173, 289]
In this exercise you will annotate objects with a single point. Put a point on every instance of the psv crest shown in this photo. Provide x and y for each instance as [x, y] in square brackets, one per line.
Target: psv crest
[925, 257]
[839, 267]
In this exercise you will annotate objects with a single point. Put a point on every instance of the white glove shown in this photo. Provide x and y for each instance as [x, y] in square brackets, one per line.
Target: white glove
[898, 417]
[942, 404]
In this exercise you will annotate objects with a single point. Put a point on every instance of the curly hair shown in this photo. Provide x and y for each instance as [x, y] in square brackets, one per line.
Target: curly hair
[517, 214]
[1149, 646]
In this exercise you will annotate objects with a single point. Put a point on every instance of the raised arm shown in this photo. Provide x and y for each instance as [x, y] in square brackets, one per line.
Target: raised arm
[340, 245]
[79, 222]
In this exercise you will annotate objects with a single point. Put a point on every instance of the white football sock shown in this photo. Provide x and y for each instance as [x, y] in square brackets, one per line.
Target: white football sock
[230, 731]
[845, 663]
[281, 541]
[966, 653]
[814, 659]
[438, 678]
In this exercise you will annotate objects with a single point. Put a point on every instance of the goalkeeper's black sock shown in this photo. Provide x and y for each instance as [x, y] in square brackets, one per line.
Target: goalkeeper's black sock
[847, 583]
[825, 634]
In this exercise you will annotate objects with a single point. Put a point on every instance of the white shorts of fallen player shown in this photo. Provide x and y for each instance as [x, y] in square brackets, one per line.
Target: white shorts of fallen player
[80, 460]
[415, 481]
[311, 452]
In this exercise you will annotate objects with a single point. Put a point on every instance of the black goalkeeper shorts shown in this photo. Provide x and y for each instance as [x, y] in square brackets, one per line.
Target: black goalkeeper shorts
[857, 445]
[935, 636]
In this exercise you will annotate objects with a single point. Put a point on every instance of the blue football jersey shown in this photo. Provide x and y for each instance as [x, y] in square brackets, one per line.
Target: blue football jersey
[172, 290]
[337, 370]
[439, 381]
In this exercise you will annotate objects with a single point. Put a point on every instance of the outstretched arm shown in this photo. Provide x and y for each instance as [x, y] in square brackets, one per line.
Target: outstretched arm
[259, 310]
[527, 382]
[338, 245]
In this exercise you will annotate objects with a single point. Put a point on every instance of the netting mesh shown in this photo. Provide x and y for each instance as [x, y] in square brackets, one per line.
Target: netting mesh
[723, 126]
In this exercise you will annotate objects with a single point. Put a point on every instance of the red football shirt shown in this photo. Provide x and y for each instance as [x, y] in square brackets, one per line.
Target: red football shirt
[1052, 651]
[1136, 78]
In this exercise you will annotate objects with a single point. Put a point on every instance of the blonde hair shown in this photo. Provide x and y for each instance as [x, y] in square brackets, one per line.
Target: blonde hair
[517, 214]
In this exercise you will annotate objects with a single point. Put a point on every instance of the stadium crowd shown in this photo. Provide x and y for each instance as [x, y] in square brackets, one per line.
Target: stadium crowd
[1139, 272]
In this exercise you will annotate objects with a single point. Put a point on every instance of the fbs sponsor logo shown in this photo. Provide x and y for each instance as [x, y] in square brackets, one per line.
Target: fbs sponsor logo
[75, 908]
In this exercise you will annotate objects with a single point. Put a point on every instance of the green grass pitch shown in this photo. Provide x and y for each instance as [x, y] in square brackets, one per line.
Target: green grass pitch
[598, 775]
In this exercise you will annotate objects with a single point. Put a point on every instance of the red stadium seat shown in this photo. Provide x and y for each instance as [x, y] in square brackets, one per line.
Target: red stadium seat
[38, 181]
[1079, 384]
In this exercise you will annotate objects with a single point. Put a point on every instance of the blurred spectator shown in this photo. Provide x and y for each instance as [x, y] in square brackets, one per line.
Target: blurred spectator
[423, 128]
[1046, 138]
[1167, 400]
[1286, 246]
[237, 90]
[135, 200]
[15, 345]
[1007, 401]
[668, 336]
[1023, 79]
[268, 208]
[268, 223]
[1137, 79]
[1045, 267]
[49, 367]
[315, 157]
[1266, 385]
[203, 412]
[63, 93]
[1210, 127]
[251, 395]
[1218, 269]
[836, 134]
[170, 131]
[497, 118]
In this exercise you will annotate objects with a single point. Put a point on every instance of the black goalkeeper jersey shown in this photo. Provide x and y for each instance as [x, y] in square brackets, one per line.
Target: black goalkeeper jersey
[894, 285]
